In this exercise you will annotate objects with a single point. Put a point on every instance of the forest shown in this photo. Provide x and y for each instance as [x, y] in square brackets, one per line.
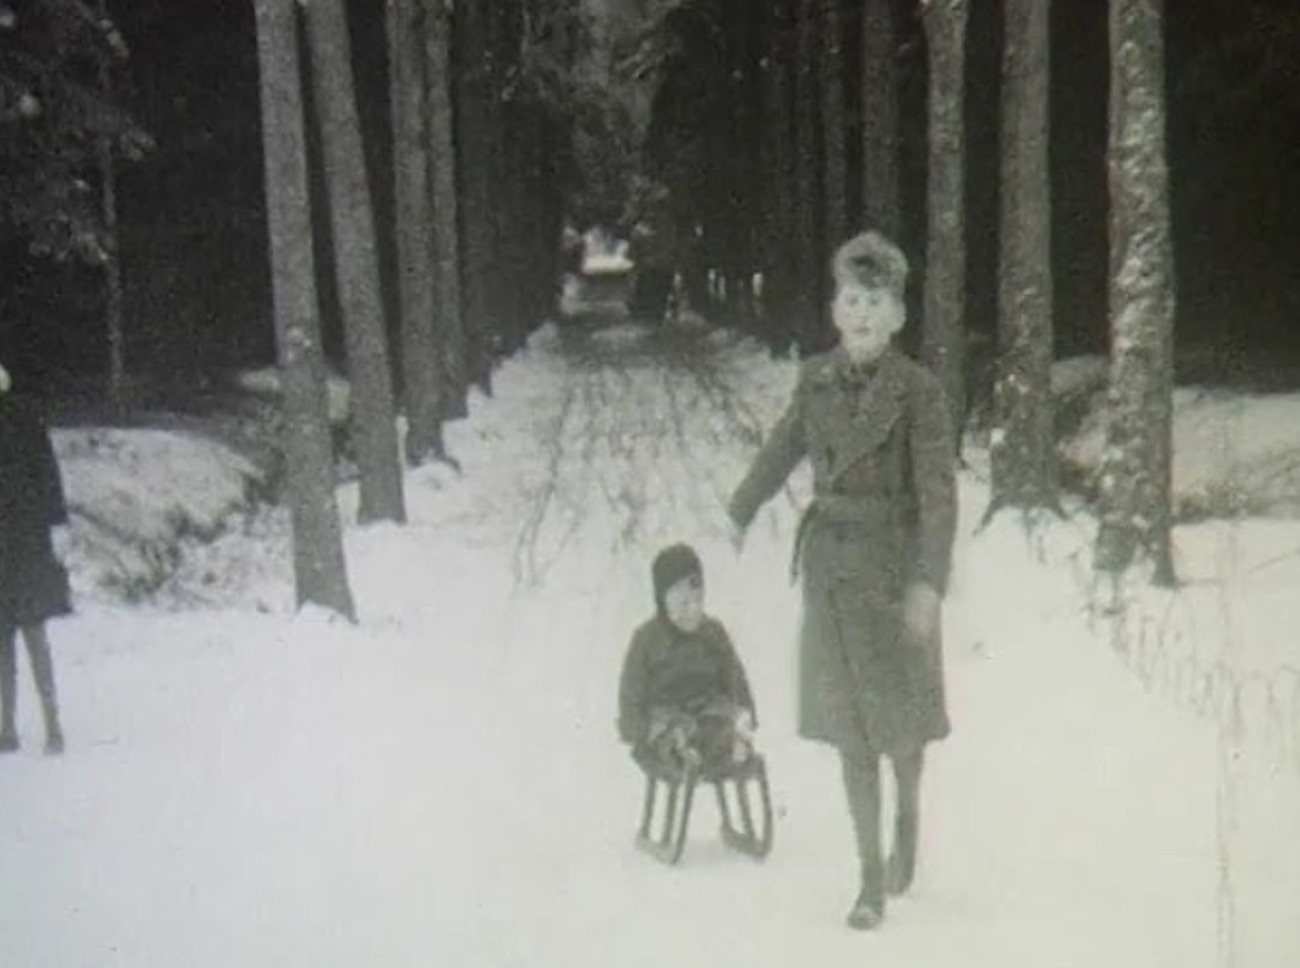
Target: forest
[155, 154]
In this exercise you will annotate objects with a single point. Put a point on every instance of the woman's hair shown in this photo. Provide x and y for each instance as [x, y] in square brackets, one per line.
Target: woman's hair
[870, 260]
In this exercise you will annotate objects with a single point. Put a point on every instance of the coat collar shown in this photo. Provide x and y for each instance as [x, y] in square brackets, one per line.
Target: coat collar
[869, 410]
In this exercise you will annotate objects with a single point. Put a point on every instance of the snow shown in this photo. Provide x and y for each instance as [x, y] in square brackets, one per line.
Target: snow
[1234, 453]
[440, 784]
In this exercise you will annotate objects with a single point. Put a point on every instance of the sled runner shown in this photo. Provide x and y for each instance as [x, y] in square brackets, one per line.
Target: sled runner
[732, 781]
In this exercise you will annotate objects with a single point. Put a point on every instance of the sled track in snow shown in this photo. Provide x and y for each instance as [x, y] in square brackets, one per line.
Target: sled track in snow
[645, 424]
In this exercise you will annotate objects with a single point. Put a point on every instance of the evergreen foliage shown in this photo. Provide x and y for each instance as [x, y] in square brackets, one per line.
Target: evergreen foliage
[53, 122]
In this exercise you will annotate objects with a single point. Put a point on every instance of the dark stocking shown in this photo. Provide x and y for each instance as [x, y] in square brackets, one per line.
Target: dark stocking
[902, 860]
[38, 650]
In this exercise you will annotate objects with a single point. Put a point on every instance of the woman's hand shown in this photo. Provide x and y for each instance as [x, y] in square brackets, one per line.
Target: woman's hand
[921, 612]
[736, 534]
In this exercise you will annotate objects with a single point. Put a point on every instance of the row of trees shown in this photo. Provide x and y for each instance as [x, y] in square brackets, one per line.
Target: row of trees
[778, 130]
[484, 105]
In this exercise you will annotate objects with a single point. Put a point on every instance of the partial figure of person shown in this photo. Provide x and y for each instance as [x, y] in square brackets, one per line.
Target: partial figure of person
[684, 699]
[873, 550]
[33, 582]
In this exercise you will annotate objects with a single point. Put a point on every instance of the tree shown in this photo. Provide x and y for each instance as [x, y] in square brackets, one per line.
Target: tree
[809, 285]
[1023, 446]
[113, 322]
[55, 120]
[835, 164]
[320, 573]
[942, 338]
[476, 120]
[776, 129]
[442, 196]
[421, 366]
[1135, 473]
[356, 264]
[881, 194]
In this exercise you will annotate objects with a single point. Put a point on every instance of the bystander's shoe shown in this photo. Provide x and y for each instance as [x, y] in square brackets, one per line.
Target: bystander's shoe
[54, 743]
[8, 742]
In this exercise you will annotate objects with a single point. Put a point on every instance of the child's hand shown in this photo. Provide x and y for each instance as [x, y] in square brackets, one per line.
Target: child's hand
[745, 725]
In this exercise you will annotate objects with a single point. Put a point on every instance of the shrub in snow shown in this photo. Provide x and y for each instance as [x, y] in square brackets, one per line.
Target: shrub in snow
[135, 494]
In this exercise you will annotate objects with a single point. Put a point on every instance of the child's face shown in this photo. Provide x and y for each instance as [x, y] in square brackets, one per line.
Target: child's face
[866, 318]
[684, 603]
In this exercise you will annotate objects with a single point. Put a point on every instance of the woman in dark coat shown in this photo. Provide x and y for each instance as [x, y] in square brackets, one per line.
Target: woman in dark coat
[874, 549]
[33, 584]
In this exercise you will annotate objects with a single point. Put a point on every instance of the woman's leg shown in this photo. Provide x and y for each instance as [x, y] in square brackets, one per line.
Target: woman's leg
[860, 765]
[907, 823]
[8, 689]
[38, 649]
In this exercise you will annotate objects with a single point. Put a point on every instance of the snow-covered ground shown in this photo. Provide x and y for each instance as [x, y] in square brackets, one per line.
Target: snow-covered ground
[440, 784]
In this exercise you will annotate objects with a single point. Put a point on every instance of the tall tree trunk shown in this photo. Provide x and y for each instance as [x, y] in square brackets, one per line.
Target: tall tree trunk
[320, 573]
[356, 265]
[421, 365]
[1023, 450]
[1136, 474]
[473, 73]
[809, 285]
[881, 190]
[835, 164]
[942, 334]
[777, 127]
[454, 350]
[113, 262]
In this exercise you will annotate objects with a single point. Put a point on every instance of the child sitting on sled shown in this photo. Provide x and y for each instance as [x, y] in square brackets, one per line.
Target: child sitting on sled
[684, 700]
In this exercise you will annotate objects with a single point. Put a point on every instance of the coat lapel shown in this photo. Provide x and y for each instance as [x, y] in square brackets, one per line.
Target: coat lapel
[860, 419]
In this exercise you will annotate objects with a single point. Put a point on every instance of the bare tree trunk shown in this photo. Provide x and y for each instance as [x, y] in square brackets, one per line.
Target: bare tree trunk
[320, 573]
[834, 162]
[356, 262]
[942, 336]
[421, 366]
[777, 127]
[474, 167]
[809, 282]
[1136, 473]
[454, 350]
[881, 192]
[1023, 450]
[113, 261]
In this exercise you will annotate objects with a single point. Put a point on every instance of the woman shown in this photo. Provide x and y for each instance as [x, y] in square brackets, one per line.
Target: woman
[33, 584]
[874, 548]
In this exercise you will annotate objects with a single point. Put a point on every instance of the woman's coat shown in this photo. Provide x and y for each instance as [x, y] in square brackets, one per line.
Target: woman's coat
[883, 515]
[33, 585]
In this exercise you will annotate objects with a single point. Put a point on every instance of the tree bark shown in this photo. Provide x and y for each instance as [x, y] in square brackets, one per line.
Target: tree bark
[473, 168]
[320, 573]
[1136, 469]
[421, 365]
[356, 263]
[113, 316]
[834, 162]
[446, 217]
[942, 332]
[777, 127]
[1023, 450]
[881, 192]
[809, 285]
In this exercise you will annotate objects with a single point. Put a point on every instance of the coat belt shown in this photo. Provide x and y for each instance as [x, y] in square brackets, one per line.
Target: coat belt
[837, 509]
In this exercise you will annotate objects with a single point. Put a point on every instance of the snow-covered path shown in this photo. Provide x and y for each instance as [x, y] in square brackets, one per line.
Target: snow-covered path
[440, 785]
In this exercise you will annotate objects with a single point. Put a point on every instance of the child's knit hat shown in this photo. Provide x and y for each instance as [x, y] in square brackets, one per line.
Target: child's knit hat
[672, 565]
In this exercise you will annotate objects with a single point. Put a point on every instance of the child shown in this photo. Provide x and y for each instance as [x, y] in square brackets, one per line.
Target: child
[683, 696]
